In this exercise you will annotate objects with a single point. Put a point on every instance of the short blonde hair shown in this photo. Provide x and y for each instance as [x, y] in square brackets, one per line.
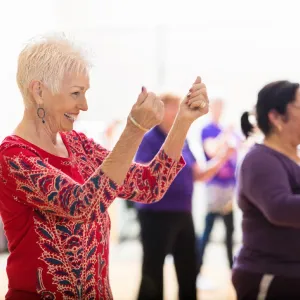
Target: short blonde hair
[170, 98]
[48, 59]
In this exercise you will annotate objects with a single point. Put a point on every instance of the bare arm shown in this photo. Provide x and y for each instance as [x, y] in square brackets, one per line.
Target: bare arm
[212, 168]
[213, 146]
[157, 175]
[118, 162]
[176, 138]
[146, 182]
[191, 108]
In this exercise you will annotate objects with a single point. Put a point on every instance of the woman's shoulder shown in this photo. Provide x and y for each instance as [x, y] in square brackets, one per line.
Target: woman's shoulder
[264, 157]
[10, 139]
[12, 144]
[79, 141]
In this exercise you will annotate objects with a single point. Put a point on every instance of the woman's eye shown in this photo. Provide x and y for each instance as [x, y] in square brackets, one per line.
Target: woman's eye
[76, 94]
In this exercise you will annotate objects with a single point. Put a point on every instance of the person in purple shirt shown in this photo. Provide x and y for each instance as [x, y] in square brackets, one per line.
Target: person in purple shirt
[268, 265]
[167, 226]
[221, 187]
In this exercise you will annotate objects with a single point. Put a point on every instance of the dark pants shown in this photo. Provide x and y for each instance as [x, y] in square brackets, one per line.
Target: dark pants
[165, 233]
[254, 286]
[209, 224]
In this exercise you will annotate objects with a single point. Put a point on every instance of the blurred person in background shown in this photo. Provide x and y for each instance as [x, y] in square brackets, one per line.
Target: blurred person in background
[56, 184]
[250, 129]
[248, 124]
[110, 133]
[268, 264]
[221, 187]
[167, 227]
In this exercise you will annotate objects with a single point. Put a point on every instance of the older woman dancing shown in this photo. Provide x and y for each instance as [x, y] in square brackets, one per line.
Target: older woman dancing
[56, 184]
[268, 265]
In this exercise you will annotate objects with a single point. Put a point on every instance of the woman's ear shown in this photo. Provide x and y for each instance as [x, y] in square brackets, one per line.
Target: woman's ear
[36, 90]
[276, 120]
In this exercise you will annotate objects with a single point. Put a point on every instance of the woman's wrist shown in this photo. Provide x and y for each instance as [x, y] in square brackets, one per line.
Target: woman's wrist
[134, 130]
[181, 123]
[136, 124]
[117, 163]
[223, 157]
[176, 138]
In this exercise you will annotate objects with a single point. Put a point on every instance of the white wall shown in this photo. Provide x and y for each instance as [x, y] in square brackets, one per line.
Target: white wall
[235, 46]
[19, 21]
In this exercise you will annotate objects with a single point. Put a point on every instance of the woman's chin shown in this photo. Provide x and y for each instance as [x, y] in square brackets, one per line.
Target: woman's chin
[67, 128]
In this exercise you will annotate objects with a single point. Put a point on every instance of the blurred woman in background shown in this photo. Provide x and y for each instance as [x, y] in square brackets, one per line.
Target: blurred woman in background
[268, 264]
[250, 129]
[167, 227]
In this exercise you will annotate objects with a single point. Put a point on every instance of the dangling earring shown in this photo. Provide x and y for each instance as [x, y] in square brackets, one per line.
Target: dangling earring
[41, 114]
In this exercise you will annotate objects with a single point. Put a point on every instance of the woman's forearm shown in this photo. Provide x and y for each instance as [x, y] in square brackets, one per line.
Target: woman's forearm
[213, 166]
[117, 163]
[176, 138]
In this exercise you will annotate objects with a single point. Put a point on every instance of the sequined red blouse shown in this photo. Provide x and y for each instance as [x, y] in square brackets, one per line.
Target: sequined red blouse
[55, 216]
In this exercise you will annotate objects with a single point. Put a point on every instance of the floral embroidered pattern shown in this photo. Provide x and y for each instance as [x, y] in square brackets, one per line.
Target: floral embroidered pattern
[45, 295]
[70, 253]
[51, 190]
[145, 184]
[70, 219]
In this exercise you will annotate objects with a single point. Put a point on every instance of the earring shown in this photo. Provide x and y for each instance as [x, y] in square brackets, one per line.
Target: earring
[41, 114]
[279, 128]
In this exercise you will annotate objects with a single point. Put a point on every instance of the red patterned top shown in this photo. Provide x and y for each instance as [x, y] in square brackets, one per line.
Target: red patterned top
[55, 216]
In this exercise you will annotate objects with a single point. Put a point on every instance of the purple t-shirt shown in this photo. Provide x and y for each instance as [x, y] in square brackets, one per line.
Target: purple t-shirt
[269, 197]
[179, 195]
[226, 175]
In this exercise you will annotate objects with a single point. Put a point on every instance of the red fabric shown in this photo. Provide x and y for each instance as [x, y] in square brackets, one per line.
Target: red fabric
[55, 216]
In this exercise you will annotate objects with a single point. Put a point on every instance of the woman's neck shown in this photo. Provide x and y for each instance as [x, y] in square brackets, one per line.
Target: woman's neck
[282, 145]
[37, 133]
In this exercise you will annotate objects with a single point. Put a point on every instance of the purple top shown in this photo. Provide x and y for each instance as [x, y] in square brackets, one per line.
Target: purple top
[226, 175]
[269, 197]
[179, 195]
